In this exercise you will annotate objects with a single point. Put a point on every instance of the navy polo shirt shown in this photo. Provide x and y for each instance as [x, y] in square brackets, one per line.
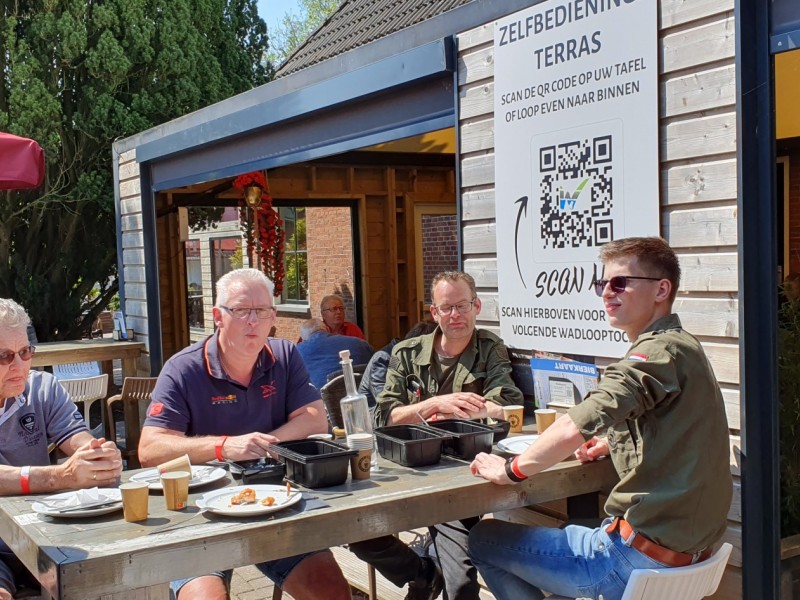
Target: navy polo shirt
[195, 396]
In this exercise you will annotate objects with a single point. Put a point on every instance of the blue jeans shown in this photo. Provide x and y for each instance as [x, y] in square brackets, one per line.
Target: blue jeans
[517, 561]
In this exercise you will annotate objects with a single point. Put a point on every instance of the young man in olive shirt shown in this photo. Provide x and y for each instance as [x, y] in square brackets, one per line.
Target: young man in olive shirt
[662, 414]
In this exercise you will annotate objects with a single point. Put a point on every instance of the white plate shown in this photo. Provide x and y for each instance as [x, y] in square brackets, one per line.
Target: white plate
[219, 501]
[517, 444]
[43, 509]
[200, 476]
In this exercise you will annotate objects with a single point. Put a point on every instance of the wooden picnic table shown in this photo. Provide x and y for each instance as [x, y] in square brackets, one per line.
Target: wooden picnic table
[106, 557]
[103, 350]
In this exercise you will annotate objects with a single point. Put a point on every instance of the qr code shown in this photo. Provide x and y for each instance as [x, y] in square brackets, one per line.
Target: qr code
[576, 184]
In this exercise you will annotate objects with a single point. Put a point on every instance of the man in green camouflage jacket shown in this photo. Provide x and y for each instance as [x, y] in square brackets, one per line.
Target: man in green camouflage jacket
[456, 372]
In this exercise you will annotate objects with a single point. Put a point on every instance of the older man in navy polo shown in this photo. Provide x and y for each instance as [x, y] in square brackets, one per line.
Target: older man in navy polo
[231, 396]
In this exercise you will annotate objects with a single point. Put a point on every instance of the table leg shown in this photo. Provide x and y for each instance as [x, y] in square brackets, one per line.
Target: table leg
[132, 431]
[129, 367]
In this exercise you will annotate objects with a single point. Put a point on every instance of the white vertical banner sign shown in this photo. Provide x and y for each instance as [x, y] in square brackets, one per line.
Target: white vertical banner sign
[576, 163]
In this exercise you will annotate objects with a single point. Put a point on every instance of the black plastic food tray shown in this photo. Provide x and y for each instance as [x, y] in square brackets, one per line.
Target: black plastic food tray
[410, 445]
[501, 428]
[257, 471]
[315, 463]
[468, 437]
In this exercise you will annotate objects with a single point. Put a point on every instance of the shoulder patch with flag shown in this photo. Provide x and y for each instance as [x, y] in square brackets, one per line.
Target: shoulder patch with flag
[638, 357]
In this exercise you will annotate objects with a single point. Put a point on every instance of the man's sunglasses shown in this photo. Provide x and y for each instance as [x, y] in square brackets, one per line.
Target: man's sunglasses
[618, 284]
[7, 356]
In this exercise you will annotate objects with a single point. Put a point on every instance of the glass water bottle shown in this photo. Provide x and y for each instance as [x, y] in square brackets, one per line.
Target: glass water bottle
[355, 410]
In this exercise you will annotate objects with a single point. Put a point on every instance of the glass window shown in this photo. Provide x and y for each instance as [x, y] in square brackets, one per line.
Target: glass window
[226, 255]
[295, 256]
[194, 279]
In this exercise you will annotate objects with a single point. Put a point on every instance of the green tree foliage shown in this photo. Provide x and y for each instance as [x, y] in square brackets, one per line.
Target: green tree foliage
[76, 75]
[294, 28]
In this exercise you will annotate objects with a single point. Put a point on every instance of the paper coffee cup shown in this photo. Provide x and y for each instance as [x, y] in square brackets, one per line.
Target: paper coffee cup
[544, 418]
[181, 463]
[359, 441]
[135, 500]
[513, 414]
[360, 464]
[176, 489]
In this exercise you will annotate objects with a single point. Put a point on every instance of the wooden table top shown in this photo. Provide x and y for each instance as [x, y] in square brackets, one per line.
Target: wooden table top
[57, 353]
[84, 558]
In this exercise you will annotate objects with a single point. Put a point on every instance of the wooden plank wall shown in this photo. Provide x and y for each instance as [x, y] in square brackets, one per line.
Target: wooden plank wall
[697, 118]
[133, 252]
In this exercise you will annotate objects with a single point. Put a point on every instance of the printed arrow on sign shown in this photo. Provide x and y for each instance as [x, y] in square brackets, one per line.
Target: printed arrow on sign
[523, 206]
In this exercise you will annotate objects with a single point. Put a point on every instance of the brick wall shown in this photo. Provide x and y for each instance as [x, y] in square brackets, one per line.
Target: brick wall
[439, 248]
[330, 266]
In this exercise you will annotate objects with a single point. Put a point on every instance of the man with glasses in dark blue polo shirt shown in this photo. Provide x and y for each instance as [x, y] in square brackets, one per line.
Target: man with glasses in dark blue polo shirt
[231, 396]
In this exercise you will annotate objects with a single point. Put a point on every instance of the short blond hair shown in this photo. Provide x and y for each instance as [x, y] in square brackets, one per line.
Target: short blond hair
[452, 277]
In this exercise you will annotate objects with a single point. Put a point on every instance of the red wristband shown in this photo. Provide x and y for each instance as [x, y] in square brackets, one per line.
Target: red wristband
[515, 468]
[218, 447]
[24, 480]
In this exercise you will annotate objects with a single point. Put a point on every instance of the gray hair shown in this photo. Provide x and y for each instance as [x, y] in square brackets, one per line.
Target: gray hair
[12, 315]
[310, 327]
[330, 297]
[230, 279]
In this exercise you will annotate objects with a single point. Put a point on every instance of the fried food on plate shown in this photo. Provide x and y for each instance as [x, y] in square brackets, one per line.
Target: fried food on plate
[246, 496]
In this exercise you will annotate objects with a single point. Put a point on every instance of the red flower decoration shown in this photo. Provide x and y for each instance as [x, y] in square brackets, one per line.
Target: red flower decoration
[247, 179]
[268, 245]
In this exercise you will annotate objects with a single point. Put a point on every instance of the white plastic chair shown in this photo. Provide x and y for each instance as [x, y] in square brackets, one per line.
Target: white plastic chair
[76, 370]
[88, 391]
[687, 583]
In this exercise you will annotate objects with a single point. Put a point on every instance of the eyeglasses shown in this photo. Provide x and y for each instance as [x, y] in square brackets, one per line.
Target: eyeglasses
[244, 313]
[618, 284]
[7, 356]
[334, 309]
[462, 308]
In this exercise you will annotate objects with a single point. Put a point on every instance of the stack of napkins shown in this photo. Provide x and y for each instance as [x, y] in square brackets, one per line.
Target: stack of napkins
[78, 498]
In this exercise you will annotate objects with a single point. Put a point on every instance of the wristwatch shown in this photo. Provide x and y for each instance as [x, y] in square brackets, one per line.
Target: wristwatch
[512, 470]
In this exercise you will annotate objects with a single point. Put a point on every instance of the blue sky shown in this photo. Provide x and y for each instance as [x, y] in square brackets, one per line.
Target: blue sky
[272, 11]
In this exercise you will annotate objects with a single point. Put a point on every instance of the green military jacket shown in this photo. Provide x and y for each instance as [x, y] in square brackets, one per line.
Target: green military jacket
[483, 368]
[663, 415]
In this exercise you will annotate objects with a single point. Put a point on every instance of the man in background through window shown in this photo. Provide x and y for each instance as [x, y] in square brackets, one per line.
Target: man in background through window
[333, 314]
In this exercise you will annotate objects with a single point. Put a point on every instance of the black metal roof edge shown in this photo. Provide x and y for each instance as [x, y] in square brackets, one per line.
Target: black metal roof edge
[441, 121]
[463, 18]
[416, 64]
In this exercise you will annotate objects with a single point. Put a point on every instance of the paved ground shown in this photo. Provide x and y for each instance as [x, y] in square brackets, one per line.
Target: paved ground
[249, 584]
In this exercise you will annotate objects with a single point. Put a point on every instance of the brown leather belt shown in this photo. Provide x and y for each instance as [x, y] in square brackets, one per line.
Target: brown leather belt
[655, 551]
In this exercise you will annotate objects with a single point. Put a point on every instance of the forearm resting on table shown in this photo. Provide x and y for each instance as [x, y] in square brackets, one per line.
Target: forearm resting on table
[40, 480]
[560, 440]
[159, 445]
[410, 413]
[303, 422]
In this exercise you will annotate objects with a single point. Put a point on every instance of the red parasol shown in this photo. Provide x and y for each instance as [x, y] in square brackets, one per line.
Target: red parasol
[21, 163]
